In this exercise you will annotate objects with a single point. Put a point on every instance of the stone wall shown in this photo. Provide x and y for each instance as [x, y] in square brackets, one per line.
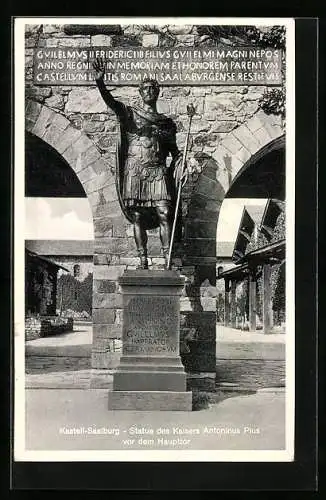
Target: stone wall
[227, 130]
[42, 327]
[69, 261]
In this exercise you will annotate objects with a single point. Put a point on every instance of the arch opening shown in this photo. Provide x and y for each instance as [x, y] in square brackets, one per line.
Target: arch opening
[59, 232]
[47, 173]
[252, 262]
[263, 175]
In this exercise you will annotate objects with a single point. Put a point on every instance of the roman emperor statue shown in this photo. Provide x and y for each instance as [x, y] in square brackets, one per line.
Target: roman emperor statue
[146, 181]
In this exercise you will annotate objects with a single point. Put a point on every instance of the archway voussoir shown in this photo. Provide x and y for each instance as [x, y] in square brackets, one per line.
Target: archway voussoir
[90, 156]
[83, 143]
[43, 121]
[236, 165]
[247, 138]
[256, 122]
[274, 120]
[72, 156]
[274, 130]
[263, 136]
[97, 182]
[86, 175]
[68, 138]
[32, 111]
[243, 155]
[231, 143]
[222, 157]
[56, 131]
[222, 177]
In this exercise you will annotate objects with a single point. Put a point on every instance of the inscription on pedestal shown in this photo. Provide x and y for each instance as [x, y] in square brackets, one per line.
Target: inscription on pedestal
[150, 325]
[150, 375]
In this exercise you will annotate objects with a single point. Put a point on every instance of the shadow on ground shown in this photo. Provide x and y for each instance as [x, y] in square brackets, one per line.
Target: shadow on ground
[203, 399]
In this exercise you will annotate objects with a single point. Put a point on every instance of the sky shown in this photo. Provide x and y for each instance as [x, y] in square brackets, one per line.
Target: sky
[71, 218]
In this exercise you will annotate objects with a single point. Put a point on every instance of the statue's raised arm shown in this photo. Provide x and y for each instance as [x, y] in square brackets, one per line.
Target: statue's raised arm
[110, 101]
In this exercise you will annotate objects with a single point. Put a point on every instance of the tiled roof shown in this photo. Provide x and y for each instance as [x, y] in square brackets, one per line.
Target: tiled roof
[269, 206]
[224, 248]
[43, 259]
[61, 247]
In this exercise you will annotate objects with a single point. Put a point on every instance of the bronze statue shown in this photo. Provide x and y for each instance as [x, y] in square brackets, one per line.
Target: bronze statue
[146, 186]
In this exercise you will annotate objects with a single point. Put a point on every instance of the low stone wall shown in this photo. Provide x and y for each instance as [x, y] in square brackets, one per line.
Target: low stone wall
[42, 327]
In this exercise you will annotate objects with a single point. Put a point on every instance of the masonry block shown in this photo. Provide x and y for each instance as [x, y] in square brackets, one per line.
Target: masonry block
[97, 182]
[101, 40]
[67, 139]
[43, 121]
[104, 286]
[150, 40]
[231, 143]
[107, 300]
[243, 155]
[32, 111]
[105, 359]
[262, 136]
[103, 316]
[247, 138]
[101, 259]
[109, 272]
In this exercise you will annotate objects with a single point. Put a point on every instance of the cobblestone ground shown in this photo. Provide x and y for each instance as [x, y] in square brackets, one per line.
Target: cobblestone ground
[244, 361]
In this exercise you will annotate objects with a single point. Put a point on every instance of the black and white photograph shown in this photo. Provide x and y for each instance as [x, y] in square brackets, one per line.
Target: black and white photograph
[154, 239]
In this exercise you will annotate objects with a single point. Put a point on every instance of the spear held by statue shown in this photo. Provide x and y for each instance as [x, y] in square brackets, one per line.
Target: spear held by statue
[181, 182]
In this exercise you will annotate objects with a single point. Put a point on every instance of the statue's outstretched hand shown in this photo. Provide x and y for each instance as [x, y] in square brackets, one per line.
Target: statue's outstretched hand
[99, 67]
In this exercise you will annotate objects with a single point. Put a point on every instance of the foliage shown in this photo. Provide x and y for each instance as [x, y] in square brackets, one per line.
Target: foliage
[273, 37]
[74, 294]
[273, 101]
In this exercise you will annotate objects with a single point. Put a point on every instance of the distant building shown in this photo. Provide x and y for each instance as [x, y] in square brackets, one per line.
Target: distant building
[254, 287]
[74, 287]
[74, 255]
[40, 285]
[224, 251]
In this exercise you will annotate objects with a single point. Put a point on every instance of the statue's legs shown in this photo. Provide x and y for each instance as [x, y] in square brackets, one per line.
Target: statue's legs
[140, 236]
[163, 209]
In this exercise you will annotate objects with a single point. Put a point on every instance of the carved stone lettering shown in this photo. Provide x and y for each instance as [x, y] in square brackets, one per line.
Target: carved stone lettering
[149, 326]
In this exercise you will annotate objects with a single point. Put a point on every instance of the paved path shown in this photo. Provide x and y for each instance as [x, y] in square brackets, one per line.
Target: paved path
[226, 334]
[82, 335]
[79, 420]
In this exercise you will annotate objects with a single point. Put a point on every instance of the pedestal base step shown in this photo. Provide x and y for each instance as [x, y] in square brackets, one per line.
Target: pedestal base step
[150, 400]
[149, 381]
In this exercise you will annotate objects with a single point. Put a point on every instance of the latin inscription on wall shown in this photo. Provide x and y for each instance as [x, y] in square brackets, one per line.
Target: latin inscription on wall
[148, 323]
[180, 66]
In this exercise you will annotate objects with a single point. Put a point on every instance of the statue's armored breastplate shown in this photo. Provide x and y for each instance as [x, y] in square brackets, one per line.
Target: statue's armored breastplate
[146, 144]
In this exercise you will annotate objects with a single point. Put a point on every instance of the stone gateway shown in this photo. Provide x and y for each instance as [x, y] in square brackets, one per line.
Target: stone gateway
[231, 134]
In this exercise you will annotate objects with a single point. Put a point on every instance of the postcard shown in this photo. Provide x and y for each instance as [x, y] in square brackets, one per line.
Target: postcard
[154, 239]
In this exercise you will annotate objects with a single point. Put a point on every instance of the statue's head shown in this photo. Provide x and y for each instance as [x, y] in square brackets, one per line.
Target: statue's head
[149, 90]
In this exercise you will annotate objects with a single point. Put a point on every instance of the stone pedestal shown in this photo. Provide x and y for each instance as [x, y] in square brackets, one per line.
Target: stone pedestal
[150, 375]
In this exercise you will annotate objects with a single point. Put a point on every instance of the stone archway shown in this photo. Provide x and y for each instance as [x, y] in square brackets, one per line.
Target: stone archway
[97, 179]
[240, 149]
[240, 145]
[76, 148]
